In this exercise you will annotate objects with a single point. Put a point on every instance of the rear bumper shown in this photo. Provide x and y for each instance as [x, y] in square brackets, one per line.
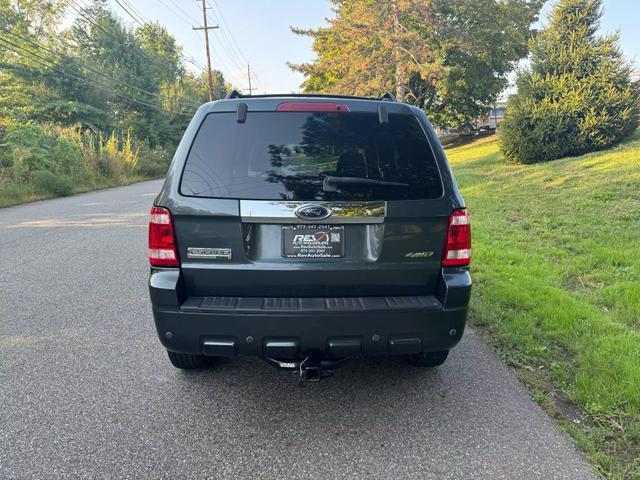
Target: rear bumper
[292, 327]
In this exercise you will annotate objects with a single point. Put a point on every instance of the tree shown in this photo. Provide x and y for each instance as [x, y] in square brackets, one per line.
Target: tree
[158, 43]
[577, 96]
[142, 68]
[25, 86]
[449, 58]
[97, 75]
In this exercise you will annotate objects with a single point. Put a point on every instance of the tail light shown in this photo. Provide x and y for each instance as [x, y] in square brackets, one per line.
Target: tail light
[457, 251]
[162, 244]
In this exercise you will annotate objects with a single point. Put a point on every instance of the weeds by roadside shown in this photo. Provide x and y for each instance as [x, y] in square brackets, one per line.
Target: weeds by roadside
[44, 161]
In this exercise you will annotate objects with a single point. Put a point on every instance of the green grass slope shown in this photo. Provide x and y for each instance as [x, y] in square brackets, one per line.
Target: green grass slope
[557, 285]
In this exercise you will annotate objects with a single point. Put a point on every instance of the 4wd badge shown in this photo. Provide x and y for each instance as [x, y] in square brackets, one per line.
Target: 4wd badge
[419, 254]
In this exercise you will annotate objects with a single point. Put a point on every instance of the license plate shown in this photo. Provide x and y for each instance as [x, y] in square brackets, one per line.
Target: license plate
[312, 241]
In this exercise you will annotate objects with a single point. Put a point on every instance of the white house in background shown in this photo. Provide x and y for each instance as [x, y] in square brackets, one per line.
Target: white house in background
[492, 119]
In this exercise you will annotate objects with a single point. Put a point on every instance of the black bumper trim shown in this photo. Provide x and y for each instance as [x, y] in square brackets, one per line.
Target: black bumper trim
[339, 326]
[230, 305]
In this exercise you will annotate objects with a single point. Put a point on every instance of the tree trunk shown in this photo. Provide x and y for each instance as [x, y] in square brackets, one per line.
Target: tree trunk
[401, 87]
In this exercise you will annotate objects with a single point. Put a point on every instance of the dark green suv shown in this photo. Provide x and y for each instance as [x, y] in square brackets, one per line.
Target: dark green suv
[307, 230]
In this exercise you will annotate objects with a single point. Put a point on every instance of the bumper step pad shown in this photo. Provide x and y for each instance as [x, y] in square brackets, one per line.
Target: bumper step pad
[308, 304]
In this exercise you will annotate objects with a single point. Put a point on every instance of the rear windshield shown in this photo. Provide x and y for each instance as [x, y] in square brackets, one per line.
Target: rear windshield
[311, 156]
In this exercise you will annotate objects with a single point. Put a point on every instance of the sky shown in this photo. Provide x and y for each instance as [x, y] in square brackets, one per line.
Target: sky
[257, 32]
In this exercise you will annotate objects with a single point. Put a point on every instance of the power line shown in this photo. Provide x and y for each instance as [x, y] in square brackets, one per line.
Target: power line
[225, 43]
[227, 30]
[224, 32]
[143, 21]
[256, 78]
[134, 10]
[187, 19]
[206, 29]
[135, 19]
[46, 63]
[236, 63]
[190, 21]
[42, 61]
[78, 62]
[81, 10]
[187, 16]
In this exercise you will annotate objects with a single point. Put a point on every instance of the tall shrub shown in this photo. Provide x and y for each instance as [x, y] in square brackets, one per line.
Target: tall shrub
[117, 156]
[577, 96]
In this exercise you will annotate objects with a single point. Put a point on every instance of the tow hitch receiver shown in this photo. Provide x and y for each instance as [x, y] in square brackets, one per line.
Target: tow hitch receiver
[309, 369]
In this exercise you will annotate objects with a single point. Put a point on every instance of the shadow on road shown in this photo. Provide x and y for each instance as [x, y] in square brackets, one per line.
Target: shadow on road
[364, 395]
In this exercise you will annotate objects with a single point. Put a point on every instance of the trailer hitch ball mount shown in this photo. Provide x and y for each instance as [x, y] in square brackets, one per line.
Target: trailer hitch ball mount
[309, 369]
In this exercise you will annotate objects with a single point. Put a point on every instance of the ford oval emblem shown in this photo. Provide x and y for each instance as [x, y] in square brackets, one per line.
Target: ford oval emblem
[313, 212]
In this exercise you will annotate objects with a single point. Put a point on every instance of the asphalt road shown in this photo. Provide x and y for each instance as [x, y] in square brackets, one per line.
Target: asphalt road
[86, 390]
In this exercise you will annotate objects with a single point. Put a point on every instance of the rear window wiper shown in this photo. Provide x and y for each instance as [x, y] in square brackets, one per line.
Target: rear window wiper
[331, 184]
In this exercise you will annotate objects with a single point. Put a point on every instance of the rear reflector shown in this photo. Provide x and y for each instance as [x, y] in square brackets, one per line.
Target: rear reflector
[457, 251]
[312, 107]
[162, 245]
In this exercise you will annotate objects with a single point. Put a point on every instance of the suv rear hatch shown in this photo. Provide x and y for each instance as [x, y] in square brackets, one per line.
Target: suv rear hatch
[313, 199]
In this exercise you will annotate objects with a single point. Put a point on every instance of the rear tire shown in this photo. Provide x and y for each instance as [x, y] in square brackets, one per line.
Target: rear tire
[427, 359]
[187, 361]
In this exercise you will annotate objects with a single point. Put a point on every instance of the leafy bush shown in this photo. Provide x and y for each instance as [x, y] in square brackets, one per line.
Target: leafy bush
[12, 192]
[117, 157]
[25, 150]
[45, 160]
[109, 166]
[154, 162]
[49, 183]
[29, 148]
[65, 152]
[577, 97]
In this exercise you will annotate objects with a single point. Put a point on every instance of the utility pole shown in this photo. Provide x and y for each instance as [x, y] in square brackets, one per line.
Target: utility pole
[206, 29]
[249, 77]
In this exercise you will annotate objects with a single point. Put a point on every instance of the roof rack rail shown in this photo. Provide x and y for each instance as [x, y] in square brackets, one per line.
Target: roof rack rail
[234, 94]
[387, 97]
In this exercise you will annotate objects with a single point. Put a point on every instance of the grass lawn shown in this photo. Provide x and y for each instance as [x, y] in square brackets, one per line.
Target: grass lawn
[557, 286]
